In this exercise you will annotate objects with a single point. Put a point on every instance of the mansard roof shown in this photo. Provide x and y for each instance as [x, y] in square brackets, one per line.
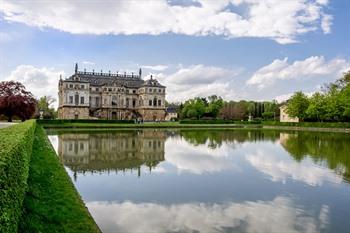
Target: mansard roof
[110, 79]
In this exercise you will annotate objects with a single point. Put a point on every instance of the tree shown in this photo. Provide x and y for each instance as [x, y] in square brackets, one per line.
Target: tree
[297, 105]
[16, 101]
[317, 107]
[44, 104]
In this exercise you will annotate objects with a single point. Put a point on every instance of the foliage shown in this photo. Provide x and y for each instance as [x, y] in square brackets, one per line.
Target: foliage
[15, 151]
[333, 104]
[309, 124]
[202, 107]
[297, 105]
[234, 110]
[16, 101]
[52, 204]
[44, 104]
[62, 121]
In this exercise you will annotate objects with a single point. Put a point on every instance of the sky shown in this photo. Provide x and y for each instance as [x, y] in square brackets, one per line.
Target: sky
[236, 49]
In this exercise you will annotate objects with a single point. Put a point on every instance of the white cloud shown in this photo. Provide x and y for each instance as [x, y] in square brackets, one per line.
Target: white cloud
[198, 81]
[282, 21]
[326, 23]
[39, 81]
[279, 215]
[155, 67]
[314, 66]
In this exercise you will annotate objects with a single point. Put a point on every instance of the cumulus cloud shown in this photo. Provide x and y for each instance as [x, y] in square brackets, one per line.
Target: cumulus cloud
[282, 21]
[314, 66]
[198, 81]
[39, 81]
[279, 215]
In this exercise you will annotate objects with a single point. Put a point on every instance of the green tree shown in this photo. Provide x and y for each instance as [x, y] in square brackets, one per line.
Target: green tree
[45, 104]
[297, 105]
[317, 107]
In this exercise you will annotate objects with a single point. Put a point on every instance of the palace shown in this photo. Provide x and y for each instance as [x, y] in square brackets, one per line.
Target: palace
[98, 95]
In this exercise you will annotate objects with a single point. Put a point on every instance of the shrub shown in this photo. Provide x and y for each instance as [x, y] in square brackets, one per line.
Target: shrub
[62, 121]
[310, 124]
[15, 150]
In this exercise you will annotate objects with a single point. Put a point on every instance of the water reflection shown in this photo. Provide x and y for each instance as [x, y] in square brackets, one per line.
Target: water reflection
[111, 151]
[211, 180]
[279, 215]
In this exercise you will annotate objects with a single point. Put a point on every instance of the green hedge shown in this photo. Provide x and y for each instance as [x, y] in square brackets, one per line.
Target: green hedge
[16, 144]
[309, 124]
[62, 121]
[218, 121]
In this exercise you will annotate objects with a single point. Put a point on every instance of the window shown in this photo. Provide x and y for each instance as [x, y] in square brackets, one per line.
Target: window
[133, 103]
[71, 85]
[154, 102]
[109, 89]
[76, 99]
[127, 102]
[82, 86]
[134, 91]
[159, 102]
[150, 102]
[114, 101]
[82, 99]
[97, 100]
[70, 99]
[159, 90]
[97, 89]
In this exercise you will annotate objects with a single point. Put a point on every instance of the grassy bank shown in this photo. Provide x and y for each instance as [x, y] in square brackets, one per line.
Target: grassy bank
[16, 144]
[52, 204]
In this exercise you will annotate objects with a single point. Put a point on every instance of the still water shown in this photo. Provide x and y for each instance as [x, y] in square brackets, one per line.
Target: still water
[211, 180]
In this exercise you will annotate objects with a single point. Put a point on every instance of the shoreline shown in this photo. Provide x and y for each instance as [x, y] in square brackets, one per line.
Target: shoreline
[116, 126]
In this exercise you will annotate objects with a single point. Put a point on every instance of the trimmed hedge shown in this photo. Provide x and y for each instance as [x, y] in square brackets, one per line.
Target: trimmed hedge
[16, 144]
[309, 124]
[218, 121]
[62, 121]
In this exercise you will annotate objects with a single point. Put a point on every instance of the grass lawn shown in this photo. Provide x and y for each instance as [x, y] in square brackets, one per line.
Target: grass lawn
[52, 204]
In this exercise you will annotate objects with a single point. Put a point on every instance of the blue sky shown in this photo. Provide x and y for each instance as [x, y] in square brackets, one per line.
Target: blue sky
[238, 49]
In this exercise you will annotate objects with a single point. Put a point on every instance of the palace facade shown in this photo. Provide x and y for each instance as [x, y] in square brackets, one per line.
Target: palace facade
[121, 96]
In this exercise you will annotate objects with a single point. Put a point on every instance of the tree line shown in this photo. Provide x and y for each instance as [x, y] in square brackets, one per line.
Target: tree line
[331, 104]
[214, 107]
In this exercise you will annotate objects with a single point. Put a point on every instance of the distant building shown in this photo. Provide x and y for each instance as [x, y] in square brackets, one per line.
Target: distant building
[171, 114]
[119, 96]
[284, 116]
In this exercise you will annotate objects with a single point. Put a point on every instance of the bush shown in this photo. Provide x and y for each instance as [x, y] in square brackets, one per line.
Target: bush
[310, 124]
[62, 121]
[15, 150]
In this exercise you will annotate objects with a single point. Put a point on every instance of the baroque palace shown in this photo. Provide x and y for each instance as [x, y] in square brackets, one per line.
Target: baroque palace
[91, 95]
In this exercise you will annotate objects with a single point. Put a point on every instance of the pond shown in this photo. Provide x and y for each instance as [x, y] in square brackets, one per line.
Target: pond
[210, 180]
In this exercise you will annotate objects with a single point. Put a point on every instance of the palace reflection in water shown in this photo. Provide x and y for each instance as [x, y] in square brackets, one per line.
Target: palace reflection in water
[211, 180]
[111, 151]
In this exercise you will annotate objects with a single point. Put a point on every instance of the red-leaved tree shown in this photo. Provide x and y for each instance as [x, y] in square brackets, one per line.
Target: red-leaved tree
[16, 101]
